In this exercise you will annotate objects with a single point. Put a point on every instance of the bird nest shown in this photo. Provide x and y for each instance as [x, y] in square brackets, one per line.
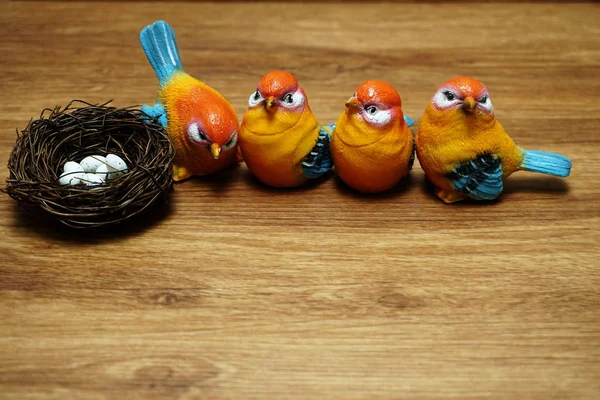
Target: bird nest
[79, 130]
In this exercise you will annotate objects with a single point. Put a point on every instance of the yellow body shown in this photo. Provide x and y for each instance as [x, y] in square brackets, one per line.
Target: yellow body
[274, 144]
[446, 139]
[370, 159]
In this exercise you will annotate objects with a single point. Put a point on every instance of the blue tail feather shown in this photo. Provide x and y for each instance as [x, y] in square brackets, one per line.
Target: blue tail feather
[546, 163]
[158, 42]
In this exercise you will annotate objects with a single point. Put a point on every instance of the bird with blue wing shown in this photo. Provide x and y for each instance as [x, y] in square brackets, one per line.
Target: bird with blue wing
[466, 153]
[282, 142]
[200, 122]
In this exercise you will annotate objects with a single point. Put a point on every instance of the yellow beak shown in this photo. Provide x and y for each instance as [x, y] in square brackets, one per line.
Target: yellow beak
[469, 104]
[352, 103]
[215, 149]
[270, 103]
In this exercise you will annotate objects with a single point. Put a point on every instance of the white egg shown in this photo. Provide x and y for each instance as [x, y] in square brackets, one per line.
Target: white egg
[91, 163]
[70, 178]
[92, 179]
[116, 165]
[102, 172]
[72, 166]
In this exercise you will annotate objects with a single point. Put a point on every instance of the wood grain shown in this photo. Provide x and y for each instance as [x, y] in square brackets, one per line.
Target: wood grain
[241, 291]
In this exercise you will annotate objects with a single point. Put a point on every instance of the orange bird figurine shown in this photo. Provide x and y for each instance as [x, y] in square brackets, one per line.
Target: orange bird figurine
[201, 123]
[371, 145]
[464, 150]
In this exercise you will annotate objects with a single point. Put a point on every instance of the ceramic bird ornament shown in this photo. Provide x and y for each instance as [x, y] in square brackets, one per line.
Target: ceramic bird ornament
[201, 123]
[372, 146]
[464, 150]
[281, 140]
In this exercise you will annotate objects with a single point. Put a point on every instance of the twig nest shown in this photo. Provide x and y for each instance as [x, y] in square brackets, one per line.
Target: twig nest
[125, 165]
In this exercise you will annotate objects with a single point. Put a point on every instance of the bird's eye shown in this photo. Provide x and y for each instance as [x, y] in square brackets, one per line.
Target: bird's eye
[485, 103]
[255, 99]
[449, 95]
[232, 142]
[293, 100]
[196, 133]
[288, 98]
[377, 116]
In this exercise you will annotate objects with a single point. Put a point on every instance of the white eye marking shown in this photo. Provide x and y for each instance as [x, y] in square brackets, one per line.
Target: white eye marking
[292, 100]
[445, 98]
[377, 116]
[255, 99]
[485, 102]
[196, 133]
[231, 143]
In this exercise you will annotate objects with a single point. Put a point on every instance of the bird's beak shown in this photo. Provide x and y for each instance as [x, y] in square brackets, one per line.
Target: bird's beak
[469, 104]
[215, 149]
[352, 103]
[270, 103]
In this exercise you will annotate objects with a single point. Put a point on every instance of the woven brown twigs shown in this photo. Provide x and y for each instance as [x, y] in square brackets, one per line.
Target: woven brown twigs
[79, 130]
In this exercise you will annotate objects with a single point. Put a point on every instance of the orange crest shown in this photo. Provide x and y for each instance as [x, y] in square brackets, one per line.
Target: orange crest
[375, 91]
[466, 86]
[277, 83]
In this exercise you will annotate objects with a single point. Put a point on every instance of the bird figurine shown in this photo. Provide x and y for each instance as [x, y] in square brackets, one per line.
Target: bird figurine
[464, 150]
[281, 140]
[372, 146]
[200, 122]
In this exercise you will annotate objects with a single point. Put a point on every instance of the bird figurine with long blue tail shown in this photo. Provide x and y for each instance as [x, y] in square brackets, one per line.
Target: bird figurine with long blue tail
[281, 140]
[372, 146]
[464, 150]
[200, 122]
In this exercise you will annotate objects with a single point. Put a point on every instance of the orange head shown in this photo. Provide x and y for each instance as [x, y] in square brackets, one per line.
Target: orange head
[278, 89]
[208, 120]
[377, 103]
[464, 95]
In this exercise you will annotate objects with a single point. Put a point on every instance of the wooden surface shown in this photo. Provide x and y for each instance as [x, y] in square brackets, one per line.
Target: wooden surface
[244, 292]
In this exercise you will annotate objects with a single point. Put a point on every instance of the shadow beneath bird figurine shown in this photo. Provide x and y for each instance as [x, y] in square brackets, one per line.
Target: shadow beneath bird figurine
[428, 189]
[35, 224]
[536, 184]
[392, 193]
[263, 188]
[533, 184]
[219, 183]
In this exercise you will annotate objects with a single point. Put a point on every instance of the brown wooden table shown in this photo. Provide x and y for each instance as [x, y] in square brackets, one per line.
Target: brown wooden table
[244, 292]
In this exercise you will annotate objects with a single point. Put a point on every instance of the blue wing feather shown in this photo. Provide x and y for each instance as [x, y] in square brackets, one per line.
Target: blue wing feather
[319, 161]
[409, 121]
[156, 111]
[480, 179]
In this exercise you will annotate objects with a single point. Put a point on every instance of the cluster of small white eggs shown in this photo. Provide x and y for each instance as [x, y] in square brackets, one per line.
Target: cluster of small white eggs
[93, 170]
